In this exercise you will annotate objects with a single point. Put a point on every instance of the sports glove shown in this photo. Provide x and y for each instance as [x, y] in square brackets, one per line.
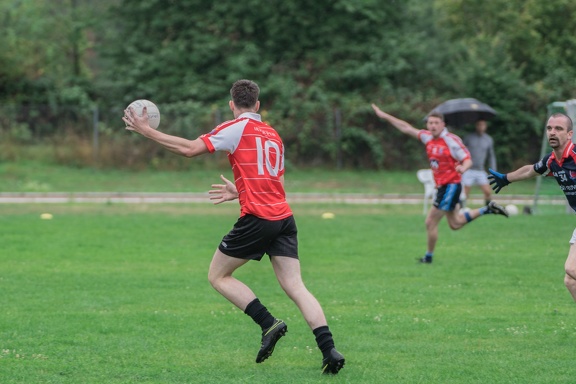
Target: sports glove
[497, 180]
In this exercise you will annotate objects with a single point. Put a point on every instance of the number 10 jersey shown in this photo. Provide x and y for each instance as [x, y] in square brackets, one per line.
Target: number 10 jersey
[256, 154]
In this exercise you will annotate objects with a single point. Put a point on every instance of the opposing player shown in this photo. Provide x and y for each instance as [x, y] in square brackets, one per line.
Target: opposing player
[448, 158]
[266, 224]
[560, 164]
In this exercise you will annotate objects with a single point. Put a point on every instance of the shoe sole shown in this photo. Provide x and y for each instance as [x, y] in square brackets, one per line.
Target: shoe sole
[499, 210]
[333, 367]
[268, 352]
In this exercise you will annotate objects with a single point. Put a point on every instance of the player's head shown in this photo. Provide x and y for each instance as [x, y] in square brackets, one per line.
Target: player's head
[481, 126]
[559, 130]
[435, 123]
[244, 95]
[569, 125]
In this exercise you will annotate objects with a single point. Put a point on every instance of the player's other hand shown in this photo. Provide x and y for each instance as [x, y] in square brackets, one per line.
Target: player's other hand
[223, 192]
[497, 180]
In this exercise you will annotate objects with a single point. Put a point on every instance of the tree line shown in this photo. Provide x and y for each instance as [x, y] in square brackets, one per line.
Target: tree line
[319, 65]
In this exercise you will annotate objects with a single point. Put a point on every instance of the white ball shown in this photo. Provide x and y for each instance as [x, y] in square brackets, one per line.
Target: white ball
[512, 209]
[328, 215]
[151, 109]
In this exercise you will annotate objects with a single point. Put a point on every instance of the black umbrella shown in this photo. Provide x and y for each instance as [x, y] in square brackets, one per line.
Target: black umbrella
[458, 112]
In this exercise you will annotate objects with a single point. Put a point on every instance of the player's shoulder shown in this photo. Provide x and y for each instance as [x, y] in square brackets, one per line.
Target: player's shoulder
[449, 136]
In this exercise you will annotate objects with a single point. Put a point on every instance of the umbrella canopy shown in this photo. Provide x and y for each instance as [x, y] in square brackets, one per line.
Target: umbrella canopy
[458, 112]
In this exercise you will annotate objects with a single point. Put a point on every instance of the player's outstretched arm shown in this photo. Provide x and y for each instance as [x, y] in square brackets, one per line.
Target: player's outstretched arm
[178, 145]
[223, 192]
[500, 180]
[401, 125]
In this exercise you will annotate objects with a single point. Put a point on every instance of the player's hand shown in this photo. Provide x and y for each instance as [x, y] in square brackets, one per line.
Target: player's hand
[223, 192]
[134, 122]
[497, 180]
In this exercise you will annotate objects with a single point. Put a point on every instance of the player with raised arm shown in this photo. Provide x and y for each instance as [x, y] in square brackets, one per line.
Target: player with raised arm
[560, 163]
[448, 158]
[266, 224]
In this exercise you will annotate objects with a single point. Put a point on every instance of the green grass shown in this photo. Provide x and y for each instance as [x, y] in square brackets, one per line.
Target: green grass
[118, 294]
[30, 176]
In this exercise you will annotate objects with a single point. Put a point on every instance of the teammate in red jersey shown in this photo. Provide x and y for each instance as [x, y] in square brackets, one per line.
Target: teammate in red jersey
[448, 158]
[266, 225]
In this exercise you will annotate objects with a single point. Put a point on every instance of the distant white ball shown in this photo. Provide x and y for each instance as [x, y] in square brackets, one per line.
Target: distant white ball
[151, 109]
[512, 209]
[328, 215]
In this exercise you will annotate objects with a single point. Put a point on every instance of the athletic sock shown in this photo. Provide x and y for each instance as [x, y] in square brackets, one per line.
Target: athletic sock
[259, 314]
[324, 340]
[428, 256]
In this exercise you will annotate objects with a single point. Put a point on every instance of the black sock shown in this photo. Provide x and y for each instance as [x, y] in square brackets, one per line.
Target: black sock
[324, 339]
[259, 314]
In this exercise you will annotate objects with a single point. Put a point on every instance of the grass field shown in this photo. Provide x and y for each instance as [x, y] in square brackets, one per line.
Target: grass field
[118, 294]
[33, 176]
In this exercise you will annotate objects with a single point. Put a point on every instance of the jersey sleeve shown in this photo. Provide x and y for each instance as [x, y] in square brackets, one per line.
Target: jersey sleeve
[424, 136]
[457, 148]
[541, 167]
[225, 137]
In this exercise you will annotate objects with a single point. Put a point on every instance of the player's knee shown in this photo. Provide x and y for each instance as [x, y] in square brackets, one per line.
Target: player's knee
[214, 279]
[570, 282]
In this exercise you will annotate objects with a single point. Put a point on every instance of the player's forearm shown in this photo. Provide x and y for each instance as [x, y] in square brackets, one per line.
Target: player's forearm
[175, 144]
[522, 173]
[402, 126]
[466, 165]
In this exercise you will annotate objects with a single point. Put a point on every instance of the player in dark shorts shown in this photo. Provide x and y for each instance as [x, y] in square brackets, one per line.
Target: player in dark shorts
[266, 224]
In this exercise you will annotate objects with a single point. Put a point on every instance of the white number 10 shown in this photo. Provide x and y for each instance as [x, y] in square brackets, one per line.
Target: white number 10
[263, 153]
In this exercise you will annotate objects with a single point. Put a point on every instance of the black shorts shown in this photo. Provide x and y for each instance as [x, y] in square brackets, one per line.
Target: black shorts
[252, 237]
[448, 196]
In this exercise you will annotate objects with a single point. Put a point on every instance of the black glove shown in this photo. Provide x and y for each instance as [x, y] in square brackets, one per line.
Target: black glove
[497, 180]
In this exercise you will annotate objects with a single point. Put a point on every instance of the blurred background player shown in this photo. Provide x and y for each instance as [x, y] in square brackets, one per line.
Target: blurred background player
[448, 158]
[481, 148]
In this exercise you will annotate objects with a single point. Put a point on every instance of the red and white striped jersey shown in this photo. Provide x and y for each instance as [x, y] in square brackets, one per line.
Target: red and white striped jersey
[444, 153]
[256, 154]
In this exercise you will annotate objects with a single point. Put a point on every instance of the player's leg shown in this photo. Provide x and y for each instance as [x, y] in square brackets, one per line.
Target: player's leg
[570, 267]
[289, 276]
[467, 182]
[487, 192]
[432, 220]
[247, 241]
[287, 271]
[220, 276]
[465, 195]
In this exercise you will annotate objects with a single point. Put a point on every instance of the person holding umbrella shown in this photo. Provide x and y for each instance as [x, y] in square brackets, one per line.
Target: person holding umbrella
[449, 159]
[481, 147]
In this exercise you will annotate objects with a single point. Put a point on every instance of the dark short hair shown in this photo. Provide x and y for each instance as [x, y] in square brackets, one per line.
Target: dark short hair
[244, 93]
[435, 114]
[568, 119]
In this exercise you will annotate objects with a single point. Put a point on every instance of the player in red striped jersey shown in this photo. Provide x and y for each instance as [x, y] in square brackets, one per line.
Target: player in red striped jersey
[266, 224]
[449, 158]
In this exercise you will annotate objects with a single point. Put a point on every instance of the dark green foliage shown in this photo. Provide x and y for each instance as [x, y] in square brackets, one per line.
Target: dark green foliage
[311, 58]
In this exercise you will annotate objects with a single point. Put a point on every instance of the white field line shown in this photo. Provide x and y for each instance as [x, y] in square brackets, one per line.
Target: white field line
[161, 197]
